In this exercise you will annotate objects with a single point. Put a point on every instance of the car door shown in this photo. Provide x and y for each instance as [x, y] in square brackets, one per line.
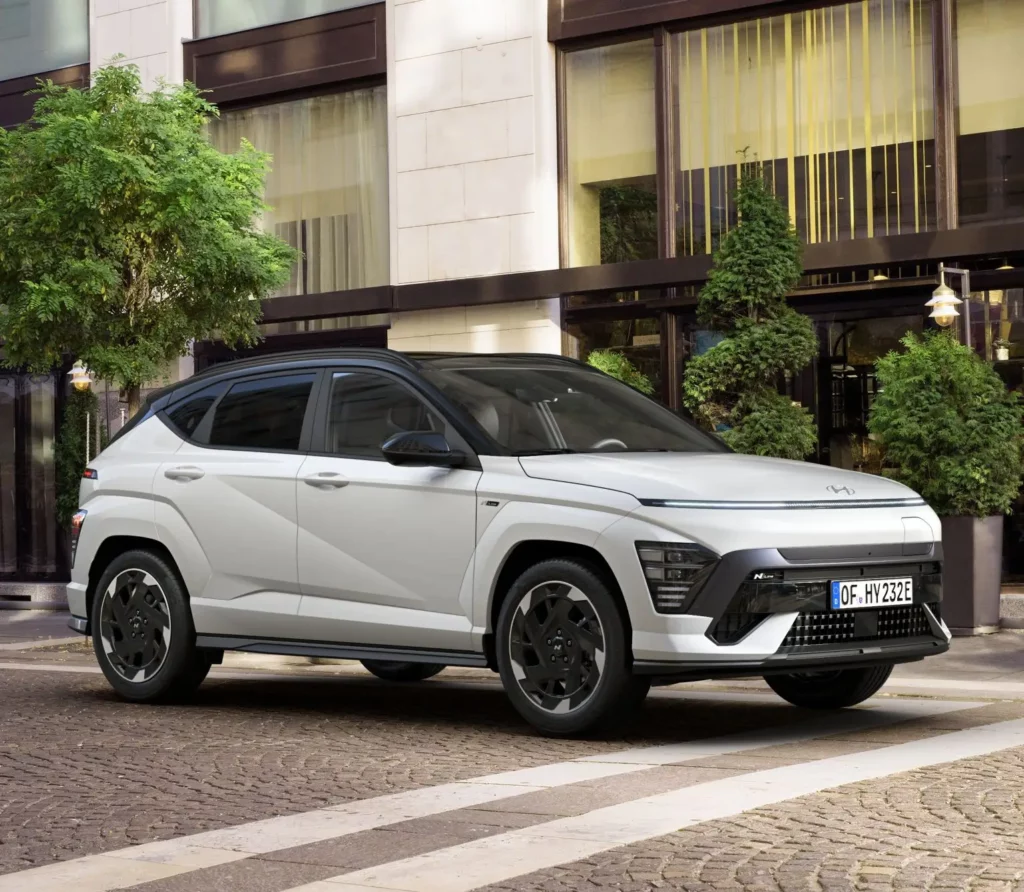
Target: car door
[385, 552]
[228, 499]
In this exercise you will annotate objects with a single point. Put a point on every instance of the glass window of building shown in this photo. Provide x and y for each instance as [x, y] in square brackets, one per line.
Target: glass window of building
[227, 16]
[37, 36]
[328, 184]
[610, 140]
[990, 147]
[835, 102]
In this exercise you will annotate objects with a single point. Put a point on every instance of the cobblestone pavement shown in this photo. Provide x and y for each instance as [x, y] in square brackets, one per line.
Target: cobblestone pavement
[82, 773]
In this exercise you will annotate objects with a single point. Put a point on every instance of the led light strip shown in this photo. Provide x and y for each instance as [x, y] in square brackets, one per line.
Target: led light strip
[777, 506]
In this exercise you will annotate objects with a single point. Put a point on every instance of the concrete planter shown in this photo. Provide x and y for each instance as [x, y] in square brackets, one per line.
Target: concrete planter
[972, 573]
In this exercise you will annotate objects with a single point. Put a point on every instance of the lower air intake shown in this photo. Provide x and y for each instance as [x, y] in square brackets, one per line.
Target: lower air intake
[811, 629]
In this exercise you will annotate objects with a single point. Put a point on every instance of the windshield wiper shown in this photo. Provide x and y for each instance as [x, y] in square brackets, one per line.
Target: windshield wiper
[553, 451]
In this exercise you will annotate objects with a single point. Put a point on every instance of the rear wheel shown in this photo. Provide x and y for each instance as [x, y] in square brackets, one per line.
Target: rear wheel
[563, 651]
[397, 671]
[143, 635]
[830, 690]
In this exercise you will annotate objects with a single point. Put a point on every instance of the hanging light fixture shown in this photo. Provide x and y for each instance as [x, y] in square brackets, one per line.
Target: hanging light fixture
[944, 305]
[81, 377]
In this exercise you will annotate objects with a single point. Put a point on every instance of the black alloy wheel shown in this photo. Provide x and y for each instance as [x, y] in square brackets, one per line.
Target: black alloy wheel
[563, 650]
[135, 625]
[143, 634]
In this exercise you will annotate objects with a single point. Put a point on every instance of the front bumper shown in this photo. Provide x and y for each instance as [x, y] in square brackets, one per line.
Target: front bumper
[765, 611]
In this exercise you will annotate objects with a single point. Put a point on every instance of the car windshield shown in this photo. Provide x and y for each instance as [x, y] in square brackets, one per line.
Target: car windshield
[548, 409]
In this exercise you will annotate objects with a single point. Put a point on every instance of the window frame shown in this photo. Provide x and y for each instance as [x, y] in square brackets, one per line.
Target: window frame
[412, 383]
[202, 432]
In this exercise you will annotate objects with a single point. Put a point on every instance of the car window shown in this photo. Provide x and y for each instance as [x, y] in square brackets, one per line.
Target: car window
[366, 409]
[187, 415]
[263, 413]
[565, 409]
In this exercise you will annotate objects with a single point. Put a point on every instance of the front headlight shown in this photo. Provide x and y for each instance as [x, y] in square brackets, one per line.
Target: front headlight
[674, 572]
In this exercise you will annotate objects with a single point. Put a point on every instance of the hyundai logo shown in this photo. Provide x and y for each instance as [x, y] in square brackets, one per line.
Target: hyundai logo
[845, 490]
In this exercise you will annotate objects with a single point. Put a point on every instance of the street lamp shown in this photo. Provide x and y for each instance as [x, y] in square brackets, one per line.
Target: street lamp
[81, 377]
[944, 301]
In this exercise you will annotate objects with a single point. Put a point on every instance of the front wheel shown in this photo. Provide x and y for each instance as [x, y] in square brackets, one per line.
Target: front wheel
[563, 650]
[143, 635]
[830, 690]
[397, 671]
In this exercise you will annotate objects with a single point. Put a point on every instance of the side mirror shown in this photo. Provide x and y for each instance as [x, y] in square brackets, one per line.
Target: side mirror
[421, 448]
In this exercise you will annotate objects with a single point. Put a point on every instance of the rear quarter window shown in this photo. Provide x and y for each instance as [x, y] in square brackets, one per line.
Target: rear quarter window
[186, 416]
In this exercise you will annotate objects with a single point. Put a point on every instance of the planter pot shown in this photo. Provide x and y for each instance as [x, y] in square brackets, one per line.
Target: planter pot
[1002, 354]
[972, 573]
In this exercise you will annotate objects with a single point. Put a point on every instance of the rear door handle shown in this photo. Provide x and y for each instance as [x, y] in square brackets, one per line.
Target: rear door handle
[327, 480]
[184, 474]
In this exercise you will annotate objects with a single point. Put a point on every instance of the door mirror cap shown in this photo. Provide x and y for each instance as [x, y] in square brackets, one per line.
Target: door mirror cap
[421, 448]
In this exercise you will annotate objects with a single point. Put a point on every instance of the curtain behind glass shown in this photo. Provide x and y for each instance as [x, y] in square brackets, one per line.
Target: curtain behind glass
[42, 35]
[610, 138]
[226, 16]
[837, 103]
[328, 184]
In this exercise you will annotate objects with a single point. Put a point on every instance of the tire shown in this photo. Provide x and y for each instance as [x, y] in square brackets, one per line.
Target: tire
[830, 690]
[396, 671]
[140, 594]
[596, 689]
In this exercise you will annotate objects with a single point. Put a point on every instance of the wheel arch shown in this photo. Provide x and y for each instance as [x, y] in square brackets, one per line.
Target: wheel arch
[113, 547]
[529, 552]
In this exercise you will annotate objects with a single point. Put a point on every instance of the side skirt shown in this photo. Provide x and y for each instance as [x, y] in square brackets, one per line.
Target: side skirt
[330, 651]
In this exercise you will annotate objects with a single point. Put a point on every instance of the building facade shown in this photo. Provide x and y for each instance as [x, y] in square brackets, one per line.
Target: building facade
[553, 175]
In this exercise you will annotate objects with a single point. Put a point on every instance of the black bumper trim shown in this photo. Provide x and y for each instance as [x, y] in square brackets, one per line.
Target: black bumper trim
[835, 657]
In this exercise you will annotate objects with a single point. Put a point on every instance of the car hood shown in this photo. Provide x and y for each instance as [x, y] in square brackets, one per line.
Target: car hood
[717, 478]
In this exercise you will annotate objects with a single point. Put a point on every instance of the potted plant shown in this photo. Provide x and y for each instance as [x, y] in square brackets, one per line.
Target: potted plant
[1002, 349]
[952, 432]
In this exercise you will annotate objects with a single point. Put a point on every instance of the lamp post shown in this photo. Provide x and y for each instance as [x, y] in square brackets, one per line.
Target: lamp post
[81, 380]
[944, 301]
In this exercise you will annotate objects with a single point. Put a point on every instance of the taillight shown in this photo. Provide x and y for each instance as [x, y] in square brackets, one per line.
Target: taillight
[90, 474]
[76, 530]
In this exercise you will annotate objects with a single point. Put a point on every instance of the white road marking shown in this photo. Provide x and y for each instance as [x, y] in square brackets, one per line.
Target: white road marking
[101, 873]
[500, 858]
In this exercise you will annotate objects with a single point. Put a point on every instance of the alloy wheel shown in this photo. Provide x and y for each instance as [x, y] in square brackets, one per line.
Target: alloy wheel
[135, 625]
[556, 647]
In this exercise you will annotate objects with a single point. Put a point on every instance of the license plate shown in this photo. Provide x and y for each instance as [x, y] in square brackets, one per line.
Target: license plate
[857, 594]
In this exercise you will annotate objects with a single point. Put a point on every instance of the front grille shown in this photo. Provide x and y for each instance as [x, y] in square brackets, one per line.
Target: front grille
[811, 629]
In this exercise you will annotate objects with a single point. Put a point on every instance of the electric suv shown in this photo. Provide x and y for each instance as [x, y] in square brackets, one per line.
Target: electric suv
[523, 513]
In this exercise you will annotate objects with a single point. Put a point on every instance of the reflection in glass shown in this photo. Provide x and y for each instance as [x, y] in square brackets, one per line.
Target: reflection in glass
[227, 16]
[990, 148]
[42, 35]
[8, 478]
[328, 184]
[837, 104]
[610, 139]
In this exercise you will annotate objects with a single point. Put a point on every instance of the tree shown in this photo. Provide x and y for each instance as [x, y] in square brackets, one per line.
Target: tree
[613, 363]
[124, 234]
[69, 450]
[950, 429]
[733, 387]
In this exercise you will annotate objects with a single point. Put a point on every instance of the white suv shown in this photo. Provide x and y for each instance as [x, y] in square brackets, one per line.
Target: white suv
[522, 513]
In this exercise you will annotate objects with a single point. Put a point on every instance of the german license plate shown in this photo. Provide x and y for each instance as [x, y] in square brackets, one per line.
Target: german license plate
[857, 594]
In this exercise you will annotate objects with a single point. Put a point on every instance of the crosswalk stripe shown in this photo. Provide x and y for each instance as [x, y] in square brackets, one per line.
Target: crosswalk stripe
[494, 859]
[102, 873]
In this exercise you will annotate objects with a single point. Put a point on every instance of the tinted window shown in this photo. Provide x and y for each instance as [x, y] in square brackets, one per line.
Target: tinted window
[266, 413]
[366, 409]
[186, 416]
[567, 409]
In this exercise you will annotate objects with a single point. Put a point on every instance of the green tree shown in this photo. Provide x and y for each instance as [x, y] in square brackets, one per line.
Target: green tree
[613, 363]
[70, 448]
[733, 387]
[124, 234]
[950, 429]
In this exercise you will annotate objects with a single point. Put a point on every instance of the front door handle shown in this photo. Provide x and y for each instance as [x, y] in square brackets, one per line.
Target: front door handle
[327, 480]
[184, 474]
